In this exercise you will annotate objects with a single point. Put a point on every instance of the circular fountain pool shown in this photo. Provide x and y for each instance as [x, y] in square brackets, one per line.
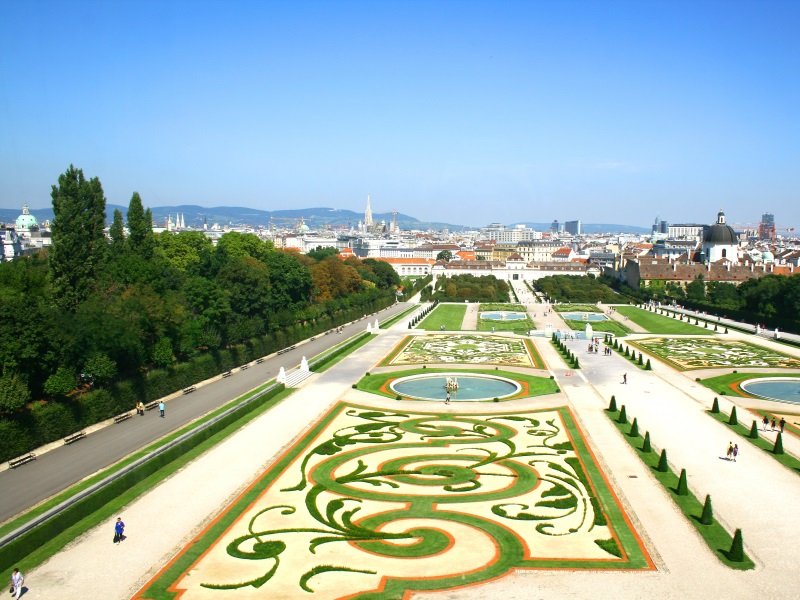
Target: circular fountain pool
[471, 388]
[774, 388]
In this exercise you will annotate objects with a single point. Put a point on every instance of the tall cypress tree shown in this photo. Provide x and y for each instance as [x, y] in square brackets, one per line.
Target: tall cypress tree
[140, 226]
[117, 234]
[79, 247]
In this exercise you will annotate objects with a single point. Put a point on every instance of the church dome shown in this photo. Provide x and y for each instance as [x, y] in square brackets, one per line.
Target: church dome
[720, 233]
[26, 221]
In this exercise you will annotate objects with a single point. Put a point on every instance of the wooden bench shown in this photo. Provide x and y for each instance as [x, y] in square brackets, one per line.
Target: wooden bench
[123, 417]
[78, 435]
[227, 373]
[286, 349]
[244, 367]
[189, 389]
[259, 361]
[151, 405]
[21, 460]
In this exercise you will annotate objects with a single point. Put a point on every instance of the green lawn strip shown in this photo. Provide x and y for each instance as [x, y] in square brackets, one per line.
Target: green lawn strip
[537, 386]
[82, 485]
[608, 326]
[495, 306]
[787, 460]
[449, 315]
[563, 352]
[634, 361]
[62, 537]
[577, 308]
[330, 358]
[388, 323]
[520, 326]
[655, 323]
[725, 385]
[714, 534]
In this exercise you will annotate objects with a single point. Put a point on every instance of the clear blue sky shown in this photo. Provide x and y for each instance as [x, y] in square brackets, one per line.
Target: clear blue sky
[466, 112]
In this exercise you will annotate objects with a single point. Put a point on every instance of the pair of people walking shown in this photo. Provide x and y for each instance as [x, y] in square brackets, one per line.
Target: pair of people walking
[733, 451]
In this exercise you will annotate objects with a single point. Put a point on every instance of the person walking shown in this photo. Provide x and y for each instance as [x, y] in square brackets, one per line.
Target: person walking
[730, 450]
[782, 424]
[161, 408]
[447, 398]
[119, 530]
[624, 378]
[765, 422]
[735, 451]
[140, 408]
[773, 423]
[16, 583]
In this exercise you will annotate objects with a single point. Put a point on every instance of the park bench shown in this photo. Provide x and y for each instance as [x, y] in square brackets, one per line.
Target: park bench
[123, 417]
[21, 460]
[259, 361]
[227, 373]
[189, 389]
[244, 367]
[78, 435]
[286, 349]
[151, 405]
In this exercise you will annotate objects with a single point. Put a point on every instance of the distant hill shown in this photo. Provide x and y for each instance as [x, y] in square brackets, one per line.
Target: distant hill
[315, 218]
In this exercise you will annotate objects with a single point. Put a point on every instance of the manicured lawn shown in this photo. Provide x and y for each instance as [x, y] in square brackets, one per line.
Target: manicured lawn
[609, 326]
[576, 308]
[449, 315]
[655, 323]
[521, 326]
[536, 386]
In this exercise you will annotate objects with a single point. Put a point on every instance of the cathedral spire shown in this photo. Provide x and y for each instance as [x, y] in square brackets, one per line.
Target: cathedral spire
[368, 213]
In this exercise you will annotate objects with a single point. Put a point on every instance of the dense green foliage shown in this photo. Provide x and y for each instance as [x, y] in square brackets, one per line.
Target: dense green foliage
[458, 288]
[569, 288]
[95, 316]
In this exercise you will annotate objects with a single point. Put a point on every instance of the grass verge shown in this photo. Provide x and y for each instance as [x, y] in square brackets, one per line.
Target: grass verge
[389, 322]
[714, 534]
[325, 361]
[608, 326]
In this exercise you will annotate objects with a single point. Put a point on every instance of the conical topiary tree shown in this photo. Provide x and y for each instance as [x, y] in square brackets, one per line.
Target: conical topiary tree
[612, 406]
[627, 352]
[715, 406]
[646, 447]
[778, 448]
[640, 362]
[736, 553]
[623, 416]
[648, 366]
[683, 485]
[708, 513]
[733, 420]
[663, 467]
[754, 430]
[634, 428]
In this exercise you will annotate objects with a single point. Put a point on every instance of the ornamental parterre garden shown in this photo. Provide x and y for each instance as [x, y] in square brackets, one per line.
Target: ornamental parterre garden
[375, 503]
[704, 353]
[465, 349]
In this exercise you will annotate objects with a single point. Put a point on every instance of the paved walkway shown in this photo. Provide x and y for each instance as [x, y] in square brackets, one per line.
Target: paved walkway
[470, 321]
[756, 493]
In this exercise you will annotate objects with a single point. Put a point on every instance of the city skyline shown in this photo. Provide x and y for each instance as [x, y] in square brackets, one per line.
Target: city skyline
[466, 113]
